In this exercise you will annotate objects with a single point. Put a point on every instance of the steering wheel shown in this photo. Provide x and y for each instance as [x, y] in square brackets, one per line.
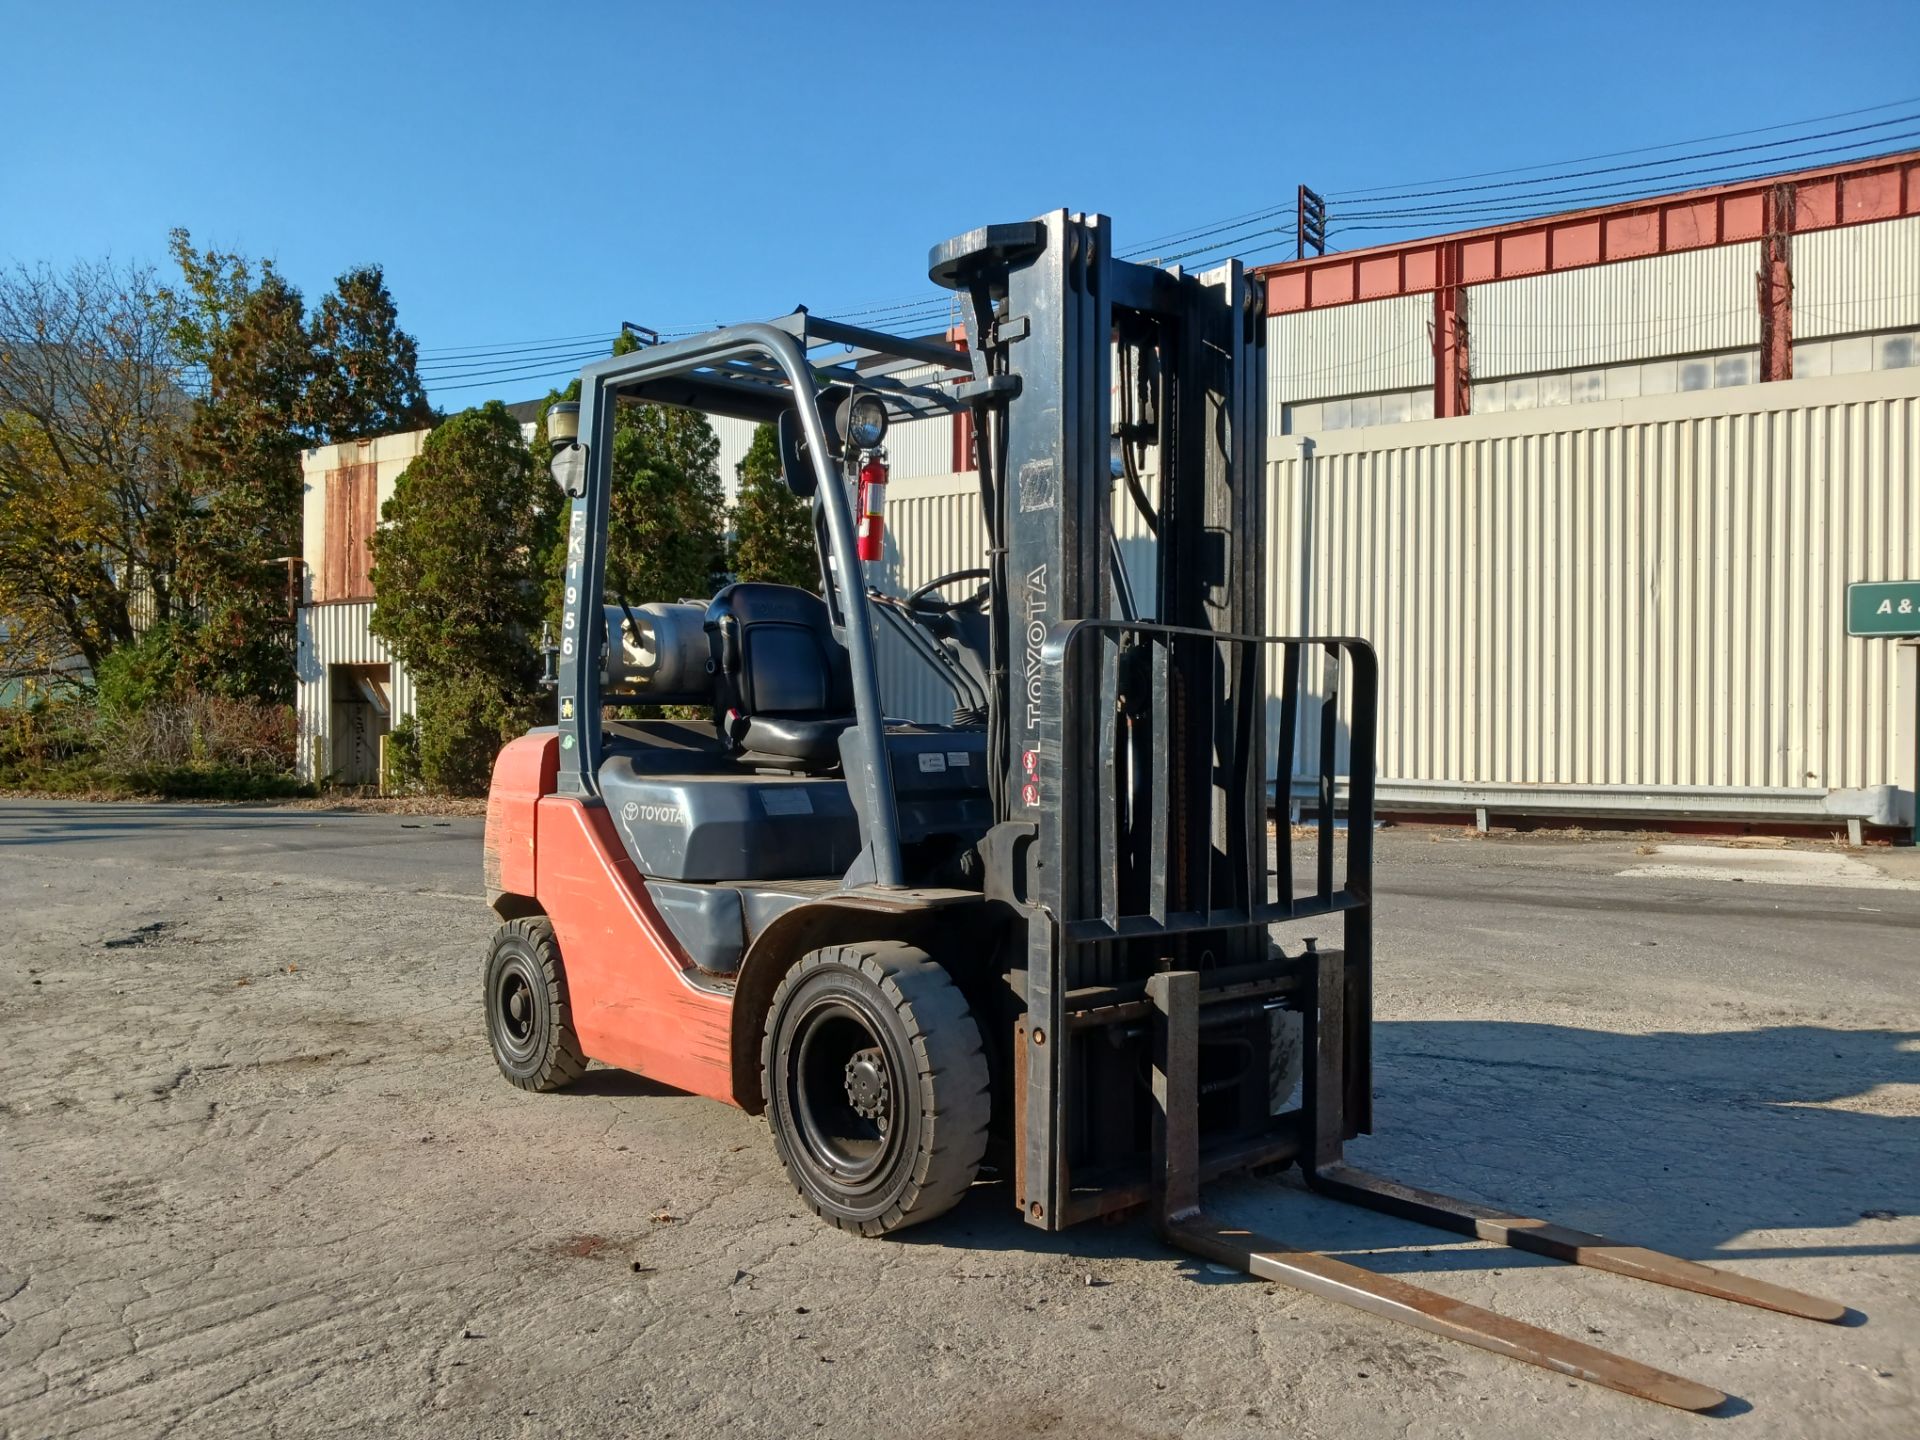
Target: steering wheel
[926, 602]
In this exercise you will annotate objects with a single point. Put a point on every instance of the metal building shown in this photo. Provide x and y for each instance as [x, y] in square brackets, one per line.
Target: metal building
[349, 689]
[1596, 484]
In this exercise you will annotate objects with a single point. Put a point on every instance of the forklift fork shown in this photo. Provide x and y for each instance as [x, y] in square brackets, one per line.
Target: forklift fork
[1184, 1224]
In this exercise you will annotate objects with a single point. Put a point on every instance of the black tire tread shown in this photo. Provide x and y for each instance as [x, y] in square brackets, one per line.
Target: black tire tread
[563, 1063]
[947, 1047]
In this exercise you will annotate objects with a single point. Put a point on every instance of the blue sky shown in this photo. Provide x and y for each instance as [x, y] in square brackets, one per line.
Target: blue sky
[526, 172]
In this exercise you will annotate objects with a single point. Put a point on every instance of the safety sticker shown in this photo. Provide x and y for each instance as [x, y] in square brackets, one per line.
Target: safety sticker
[932, 762]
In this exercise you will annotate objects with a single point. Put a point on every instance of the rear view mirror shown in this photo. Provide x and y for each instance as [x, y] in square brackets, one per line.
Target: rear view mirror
[796, 466]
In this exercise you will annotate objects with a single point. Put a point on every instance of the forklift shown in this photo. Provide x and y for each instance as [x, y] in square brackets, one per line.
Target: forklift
[1059, 938]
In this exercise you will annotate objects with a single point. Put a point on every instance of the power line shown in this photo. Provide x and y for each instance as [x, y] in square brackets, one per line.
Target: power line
[453, 351]
[549, 362]
[527, 379]
[530, 370]
[1655, 164]
[1618, 189]
[605, 338]
[1374, 192]
[1380, 194]
[1500, 209]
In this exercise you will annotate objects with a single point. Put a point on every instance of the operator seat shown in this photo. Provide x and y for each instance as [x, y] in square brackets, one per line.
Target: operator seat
[785, 687]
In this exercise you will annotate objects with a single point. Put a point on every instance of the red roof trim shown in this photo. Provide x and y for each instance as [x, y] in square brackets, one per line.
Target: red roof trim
[1852, 193]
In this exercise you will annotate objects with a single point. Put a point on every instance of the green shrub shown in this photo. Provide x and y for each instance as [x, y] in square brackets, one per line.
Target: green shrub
[464, 720]
[50, 731]
[403, 775]
[143, 673]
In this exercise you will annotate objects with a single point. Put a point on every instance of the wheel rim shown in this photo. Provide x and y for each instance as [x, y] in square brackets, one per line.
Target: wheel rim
[843, 1091]
[516, 1013]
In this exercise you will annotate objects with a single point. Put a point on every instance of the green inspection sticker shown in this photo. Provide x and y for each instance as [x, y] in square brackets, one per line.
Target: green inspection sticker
[1890, 607]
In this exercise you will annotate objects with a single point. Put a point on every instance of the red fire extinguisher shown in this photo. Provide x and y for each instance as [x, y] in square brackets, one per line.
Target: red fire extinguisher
[873, 504]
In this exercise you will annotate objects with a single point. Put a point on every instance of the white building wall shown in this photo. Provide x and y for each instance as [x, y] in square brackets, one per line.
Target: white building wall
[1857, 278]
[335, 635]
[1679, 304]
[1641, 593]
[735, 437]
[1354, 349]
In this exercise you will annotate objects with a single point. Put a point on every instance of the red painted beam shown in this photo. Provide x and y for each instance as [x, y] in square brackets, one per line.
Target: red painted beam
[1852, 193]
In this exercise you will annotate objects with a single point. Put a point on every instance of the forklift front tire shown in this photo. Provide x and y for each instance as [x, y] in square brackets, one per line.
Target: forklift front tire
[529, 1023]
[876, 1085]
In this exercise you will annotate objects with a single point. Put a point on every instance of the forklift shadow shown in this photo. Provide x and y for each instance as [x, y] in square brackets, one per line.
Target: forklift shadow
[1706, 1146]
[604, 1081]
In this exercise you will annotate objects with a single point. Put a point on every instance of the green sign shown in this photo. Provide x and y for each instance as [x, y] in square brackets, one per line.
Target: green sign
[1889, 608]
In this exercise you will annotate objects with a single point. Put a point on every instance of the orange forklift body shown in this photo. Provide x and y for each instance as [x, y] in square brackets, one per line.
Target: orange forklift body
[632, 1002]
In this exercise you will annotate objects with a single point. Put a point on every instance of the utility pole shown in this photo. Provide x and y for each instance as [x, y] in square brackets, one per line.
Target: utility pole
[1309, 224]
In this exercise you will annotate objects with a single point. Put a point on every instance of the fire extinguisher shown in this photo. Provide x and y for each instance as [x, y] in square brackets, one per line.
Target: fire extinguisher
[873, 504]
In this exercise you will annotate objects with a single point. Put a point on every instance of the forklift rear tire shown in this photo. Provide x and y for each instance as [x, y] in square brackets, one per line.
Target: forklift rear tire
[876, 1085]
[529, 1022]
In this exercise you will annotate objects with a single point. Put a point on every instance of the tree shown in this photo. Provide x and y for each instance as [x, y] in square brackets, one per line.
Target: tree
[273, 380]
[457, 567]
[666, 514]
[772, 526]
[667, 510]
[366, 379]
[243, 330]
[92, 492]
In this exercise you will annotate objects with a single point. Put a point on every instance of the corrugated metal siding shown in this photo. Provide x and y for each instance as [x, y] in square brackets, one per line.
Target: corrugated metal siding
[336, 635]
[933, 526]
[920, 449]
[1861, 277]
[735, 437]
[1644, 309]
[1647, 592]
[1349, 350]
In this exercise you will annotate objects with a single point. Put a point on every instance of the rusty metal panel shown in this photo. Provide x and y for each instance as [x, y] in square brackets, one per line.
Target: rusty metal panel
[351, 513]
[337, 517]
[1677, 304]
[1349, 350]
[1862, 277]
[1646, 592]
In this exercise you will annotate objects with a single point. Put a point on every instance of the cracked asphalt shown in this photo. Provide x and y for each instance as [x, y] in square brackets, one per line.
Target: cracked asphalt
[258, 1175]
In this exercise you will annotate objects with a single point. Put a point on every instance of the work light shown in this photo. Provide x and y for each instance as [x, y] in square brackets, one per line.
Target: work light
[866, 421]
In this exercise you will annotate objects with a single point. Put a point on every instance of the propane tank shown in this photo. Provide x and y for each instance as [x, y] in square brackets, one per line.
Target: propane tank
[873, 504]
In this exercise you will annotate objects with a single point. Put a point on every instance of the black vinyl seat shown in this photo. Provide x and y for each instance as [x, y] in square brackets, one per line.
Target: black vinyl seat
[786, 688]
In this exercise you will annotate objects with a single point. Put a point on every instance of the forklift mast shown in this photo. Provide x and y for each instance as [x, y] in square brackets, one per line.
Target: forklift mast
[1135, 755]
